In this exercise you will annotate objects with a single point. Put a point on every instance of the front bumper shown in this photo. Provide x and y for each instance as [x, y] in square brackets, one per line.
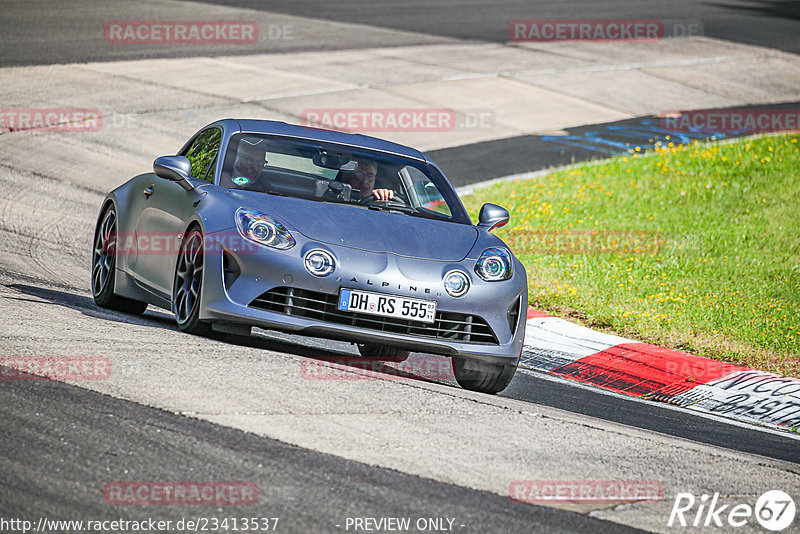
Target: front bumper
[227, 297]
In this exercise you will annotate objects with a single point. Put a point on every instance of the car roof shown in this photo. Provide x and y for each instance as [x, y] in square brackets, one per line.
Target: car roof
[323, 135]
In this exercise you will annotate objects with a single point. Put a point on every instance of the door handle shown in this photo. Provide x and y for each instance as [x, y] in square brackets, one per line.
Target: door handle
[149, 191]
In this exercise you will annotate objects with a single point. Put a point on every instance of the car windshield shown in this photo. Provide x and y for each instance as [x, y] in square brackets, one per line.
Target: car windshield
[337, 173]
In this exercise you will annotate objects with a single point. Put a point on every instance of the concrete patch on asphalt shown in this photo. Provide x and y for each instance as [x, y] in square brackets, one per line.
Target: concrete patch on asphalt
[149, 107]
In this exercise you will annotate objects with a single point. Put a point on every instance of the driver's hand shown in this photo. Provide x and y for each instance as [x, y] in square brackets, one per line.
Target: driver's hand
[383, 194]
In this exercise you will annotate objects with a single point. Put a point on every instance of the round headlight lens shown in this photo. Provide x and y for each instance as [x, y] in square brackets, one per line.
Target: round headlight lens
[263, 229]
[494, 265]
[319, 262]
[456, 283]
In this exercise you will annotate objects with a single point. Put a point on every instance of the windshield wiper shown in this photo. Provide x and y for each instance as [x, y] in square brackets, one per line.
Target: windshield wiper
[392, 207]
[304, 197]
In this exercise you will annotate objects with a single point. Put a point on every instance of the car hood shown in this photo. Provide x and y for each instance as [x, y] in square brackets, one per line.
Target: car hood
[365, 229]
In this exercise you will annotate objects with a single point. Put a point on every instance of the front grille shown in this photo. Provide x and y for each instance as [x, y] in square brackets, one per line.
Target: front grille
[322, 307]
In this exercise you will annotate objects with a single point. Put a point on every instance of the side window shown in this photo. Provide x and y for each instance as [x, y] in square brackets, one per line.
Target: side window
[423, 192]
[203, 154]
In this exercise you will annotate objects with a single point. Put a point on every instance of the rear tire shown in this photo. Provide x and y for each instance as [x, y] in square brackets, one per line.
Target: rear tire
[482, 377]
[383, 353]
[187, 286]
[104, 266]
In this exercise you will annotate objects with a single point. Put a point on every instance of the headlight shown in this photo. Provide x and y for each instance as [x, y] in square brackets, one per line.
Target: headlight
[494, 265]
[319, 262]
[263, 229]
[456, 283]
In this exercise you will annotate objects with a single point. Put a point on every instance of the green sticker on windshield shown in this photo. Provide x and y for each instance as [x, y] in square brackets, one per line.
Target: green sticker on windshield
[241, 180]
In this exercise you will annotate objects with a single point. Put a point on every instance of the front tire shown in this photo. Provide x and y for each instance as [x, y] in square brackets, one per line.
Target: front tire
[383, 353]
[188, 285]
[482, 377]
[104, 265]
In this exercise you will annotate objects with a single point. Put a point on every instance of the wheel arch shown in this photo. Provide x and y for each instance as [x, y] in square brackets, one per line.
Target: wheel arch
[108, 201]
[196, 323]
[194, 222]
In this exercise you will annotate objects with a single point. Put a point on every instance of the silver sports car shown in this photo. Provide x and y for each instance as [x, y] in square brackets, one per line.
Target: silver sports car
[315, 232]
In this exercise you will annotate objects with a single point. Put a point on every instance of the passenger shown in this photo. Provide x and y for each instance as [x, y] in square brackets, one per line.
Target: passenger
[250, 160]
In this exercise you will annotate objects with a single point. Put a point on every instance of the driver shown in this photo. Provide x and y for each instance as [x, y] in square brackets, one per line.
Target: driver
[363, 179]
[250, 159]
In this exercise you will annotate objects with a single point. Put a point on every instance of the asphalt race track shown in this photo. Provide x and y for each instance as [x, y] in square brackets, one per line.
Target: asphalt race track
[70, 452]
[57, 458]
[765, 23]
[39, 31]
[185, 408]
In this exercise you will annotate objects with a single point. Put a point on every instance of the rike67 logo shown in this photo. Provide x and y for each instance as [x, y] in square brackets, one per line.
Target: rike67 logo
[774, 510]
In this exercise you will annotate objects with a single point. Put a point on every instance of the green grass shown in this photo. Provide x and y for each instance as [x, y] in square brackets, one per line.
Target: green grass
[693, 247]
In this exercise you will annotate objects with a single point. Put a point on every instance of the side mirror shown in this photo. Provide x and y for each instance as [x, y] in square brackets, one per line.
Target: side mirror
[174, 168]
[492, 216]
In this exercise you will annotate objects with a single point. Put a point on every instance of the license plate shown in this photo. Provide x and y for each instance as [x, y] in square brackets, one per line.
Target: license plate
[387, 305]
